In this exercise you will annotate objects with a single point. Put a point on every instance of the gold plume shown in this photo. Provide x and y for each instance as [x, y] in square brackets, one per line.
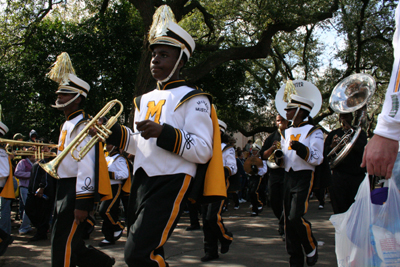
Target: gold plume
[61, 69]
[290, 89]
[161, 19]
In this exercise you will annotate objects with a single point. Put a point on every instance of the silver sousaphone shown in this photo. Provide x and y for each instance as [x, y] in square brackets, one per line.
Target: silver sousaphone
[350, 95]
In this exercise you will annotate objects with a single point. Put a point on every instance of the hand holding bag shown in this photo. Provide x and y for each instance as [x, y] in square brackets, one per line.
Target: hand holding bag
[368, 235]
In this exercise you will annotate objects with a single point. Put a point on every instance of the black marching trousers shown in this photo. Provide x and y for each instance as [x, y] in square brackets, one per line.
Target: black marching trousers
[109, 211]
[276, 189]
[298, 186]
[155, 206]
[214, 228]
[67, 246]
[254, 185]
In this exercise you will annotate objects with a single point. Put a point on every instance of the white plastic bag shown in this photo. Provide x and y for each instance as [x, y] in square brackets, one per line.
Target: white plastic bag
[368, 235]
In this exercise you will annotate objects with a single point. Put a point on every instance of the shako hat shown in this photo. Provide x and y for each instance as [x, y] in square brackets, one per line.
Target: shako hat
[257, 145]
[3, 127]
[297, 101]
[63, 73]
[298, 94]
[18, 136]
[222, 126]
[165, 31]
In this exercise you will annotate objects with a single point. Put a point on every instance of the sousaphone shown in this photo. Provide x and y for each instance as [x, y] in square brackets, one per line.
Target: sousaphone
[351, 94]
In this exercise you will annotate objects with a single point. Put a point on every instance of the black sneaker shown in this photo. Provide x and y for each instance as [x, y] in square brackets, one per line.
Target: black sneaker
[209, 257]
[5, 243]
[225, 245]
[311, 261]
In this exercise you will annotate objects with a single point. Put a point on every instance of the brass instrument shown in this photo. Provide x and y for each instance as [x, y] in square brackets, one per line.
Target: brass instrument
[252, 160]
[275, 160]
[349, 95]
[37, 151]
[103, 132]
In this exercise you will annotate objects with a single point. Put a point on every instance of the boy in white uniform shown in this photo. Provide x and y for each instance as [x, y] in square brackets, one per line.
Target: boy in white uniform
[120, 178]
[80, 182]
[302, 146]
[176, 134]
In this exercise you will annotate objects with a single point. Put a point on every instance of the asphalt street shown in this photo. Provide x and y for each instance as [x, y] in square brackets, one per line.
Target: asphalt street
[256, 242]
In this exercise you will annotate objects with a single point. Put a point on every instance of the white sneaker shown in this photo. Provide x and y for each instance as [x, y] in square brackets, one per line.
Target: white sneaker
[236, 207]
[320, 207]
[117, 233]
[242, 200]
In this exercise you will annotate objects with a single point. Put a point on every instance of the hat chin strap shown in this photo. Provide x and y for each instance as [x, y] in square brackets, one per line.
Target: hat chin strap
[173, 71]
[294, 117]
[66, 104]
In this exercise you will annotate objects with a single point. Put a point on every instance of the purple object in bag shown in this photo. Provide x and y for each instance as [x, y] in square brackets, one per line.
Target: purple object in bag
[379, 195]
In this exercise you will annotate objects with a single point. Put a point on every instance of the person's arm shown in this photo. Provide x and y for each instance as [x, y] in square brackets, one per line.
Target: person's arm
[230, 161]
[194, 141]
[381, 151]
[263, 170]
[20, 172]
[313, 154]
[119, 169]
[268, 147]
[123, 137]
[380, 155]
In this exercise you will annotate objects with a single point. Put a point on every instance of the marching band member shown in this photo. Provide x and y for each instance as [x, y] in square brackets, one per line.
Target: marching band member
[120, 177]
[302, 146]
[6, 194]
[255, 179]
[80, 182]
[346, 175]
[178, 130]
[213, 225]
[276, 176]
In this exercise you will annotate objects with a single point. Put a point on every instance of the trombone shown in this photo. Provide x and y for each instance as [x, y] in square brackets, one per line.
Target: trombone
[37, 152]
[103, 132]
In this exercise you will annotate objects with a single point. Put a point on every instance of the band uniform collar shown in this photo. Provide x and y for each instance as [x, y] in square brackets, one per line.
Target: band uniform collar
[171, 85]
[75, 114]
[113, 153]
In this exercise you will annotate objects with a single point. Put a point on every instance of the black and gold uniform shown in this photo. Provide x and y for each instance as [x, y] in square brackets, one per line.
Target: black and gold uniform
[81, 183]
[120, 177]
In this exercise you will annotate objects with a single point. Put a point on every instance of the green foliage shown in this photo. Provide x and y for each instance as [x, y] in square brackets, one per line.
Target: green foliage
[99, 54]
[245, 50]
